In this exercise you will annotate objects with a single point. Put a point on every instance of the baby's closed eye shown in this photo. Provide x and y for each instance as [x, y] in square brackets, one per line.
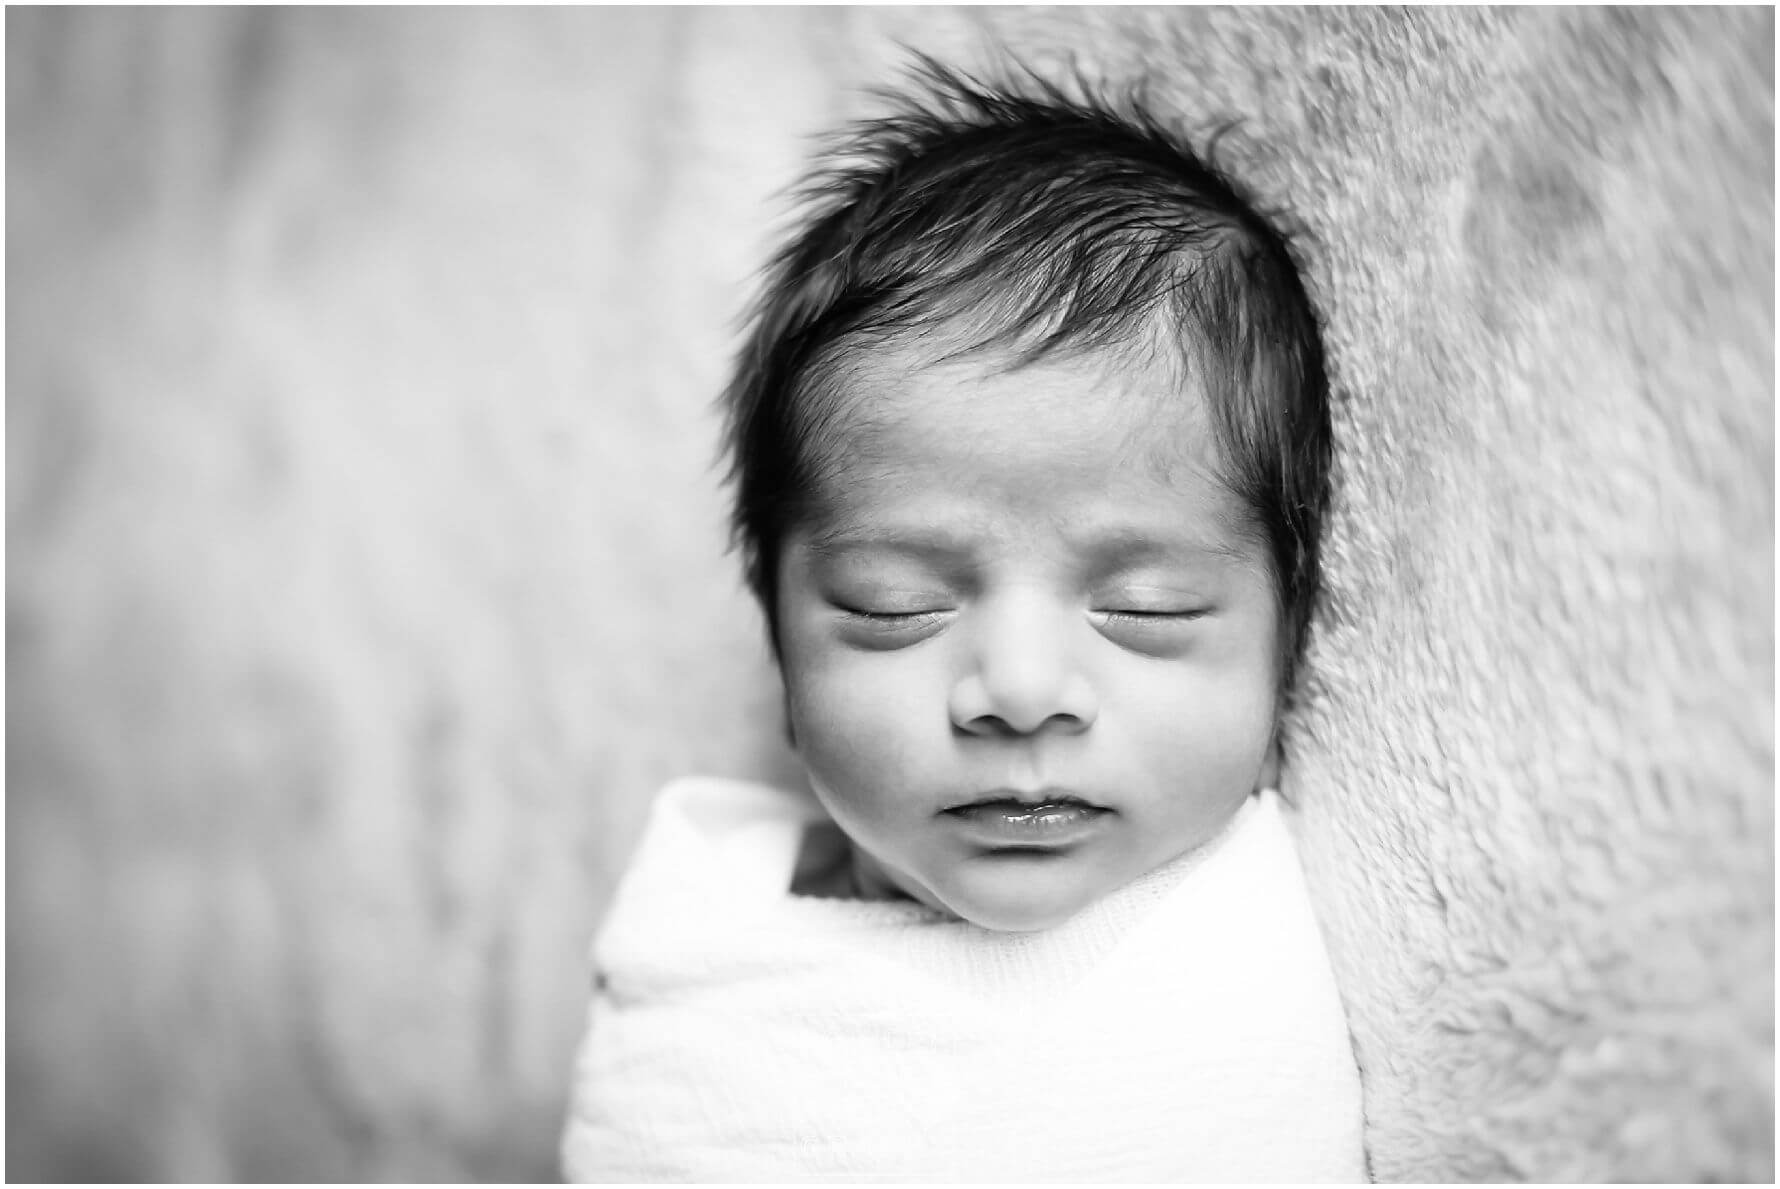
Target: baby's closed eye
[1151, 602]
[1155, 623]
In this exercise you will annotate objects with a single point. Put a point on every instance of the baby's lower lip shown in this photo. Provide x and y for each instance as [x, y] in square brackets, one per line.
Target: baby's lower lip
[1016, 823]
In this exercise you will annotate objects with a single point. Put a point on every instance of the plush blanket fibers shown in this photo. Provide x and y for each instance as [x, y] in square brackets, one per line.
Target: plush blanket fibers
[367, 577]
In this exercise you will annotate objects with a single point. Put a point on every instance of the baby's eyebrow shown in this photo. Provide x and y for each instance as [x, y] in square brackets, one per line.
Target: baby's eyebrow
[932, 544]
[1118, 549]
[1111, 549]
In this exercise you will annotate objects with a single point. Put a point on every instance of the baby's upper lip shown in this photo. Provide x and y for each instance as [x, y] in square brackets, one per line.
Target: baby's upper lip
[1025, 798]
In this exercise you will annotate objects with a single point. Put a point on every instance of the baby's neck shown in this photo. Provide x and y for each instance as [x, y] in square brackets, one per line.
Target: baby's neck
[831, 867]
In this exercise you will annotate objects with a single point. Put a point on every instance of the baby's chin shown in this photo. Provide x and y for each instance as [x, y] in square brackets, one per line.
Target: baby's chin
[1007, 892]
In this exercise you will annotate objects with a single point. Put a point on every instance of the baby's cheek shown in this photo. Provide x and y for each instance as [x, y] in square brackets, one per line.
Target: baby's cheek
[1207, 730]
[864, 725]
[863, 735]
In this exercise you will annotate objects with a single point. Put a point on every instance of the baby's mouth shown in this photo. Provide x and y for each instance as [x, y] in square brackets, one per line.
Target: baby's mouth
[1047, 815]
[1015, 801]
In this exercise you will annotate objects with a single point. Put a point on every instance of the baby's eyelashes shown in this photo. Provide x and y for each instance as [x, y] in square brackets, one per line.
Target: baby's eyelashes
[1153, 613]
[890, 605]
[1151, 627]
[878, 628]
[1161, 633]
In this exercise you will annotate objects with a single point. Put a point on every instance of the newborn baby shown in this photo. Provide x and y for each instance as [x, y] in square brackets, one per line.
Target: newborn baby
[1031, 454]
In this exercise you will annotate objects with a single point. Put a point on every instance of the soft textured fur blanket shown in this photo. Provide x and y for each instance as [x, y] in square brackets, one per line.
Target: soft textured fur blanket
[367, 578]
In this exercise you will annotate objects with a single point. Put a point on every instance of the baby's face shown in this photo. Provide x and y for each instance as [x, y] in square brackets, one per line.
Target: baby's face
[1030, 651]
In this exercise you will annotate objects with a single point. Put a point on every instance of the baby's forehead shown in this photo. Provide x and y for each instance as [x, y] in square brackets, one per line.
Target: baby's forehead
[1109, 410]
[1069, 450]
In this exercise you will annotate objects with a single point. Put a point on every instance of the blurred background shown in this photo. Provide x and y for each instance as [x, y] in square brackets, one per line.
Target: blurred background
[368, 575]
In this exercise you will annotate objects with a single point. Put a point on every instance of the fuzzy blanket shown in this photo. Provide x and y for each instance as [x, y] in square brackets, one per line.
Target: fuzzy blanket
[367, 568]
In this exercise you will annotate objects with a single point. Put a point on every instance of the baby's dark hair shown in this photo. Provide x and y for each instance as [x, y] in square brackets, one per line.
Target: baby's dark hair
[1021, 219]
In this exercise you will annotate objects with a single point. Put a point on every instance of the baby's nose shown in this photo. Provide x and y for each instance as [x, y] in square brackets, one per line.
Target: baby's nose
[1025, 678]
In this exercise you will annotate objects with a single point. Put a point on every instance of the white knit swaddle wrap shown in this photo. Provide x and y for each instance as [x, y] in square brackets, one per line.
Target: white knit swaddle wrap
[1185, 1028]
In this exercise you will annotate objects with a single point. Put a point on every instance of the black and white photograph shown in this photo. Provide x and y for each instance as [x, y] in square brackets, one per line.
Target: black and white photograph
[880, 594]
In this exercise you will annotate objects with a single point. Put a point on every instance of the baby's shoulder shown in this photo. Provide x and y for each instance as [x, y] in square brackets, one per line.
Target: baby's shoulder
[723, 802]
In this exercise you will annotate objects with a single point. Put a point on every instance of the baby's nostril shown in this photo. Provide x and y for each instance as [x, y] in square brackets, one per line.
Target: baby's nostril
[995, 724]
